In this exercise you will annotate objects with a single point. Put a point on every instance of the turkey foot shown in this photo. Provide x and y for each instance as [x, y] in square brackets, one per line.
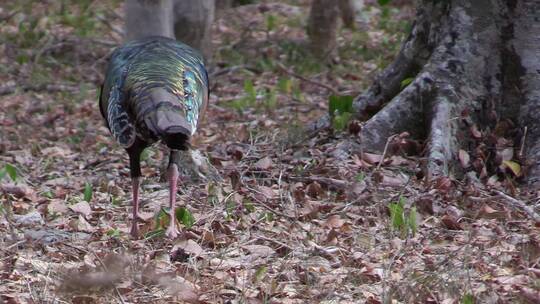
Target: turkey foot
[172, 231]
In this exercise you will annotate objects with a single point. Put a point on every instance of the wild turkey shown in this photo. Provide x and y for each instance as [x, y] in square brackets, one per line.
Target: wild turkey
[155, 89]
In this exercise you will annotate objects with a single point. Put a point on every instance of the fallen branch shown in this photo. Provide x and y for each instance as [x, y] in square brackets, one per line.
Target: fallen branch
[319, 84]
[519, 205]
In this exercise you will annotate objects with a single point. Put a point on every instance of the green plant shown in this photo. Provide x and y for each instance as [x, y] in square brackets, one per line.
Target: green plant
[467, 299]
[113, 232]
[185, 217]
[10, 170]
[402, 220]
[270, 22]
[87, 192]
[248, 100]
[405, 82]
[340, 109]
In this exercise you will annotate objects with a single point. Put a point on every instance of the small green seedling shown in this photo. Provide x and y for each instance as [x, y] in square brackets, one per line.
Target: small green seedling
[403, 221]
[113, 233]
[467, 299]
[405, 82]
[185, 217]
[340, 109]
[87, 192]
[10, 170]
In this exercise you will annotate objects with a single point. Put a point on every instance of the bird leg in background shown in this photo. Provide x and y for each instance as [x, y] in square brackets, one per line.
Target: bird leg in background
[134, 153]
[172, 175]
[135, 181]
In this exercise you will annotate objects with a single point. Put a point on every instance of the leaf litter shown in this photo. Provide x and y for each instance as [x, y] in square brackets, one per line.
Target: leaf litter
[289, 221]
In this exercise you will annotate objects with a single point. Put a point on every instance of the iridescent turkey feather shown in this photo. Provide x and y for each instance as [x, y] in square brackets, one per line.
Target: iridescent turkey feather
[141, 71]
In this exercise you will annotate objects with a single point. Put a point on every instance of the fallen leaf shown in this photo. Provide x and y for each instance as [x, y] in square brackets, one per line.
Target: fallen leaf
[475, 132]
[189, 246]
[18, 190]
[514, 167]
[30, 219]
[81, 224]
[490, 213]
[451, 222]
[81, 208]
[57, 206]
[259, 250]
[371, 158]
[334, 221]
[264, 163]
[56, 152]
[314, 189]
[464, 158]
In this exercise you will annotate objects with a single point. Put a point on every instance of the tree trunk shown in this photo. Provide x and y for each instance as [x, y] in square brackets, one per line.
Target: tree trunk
[188, 21]
[473, 65]
[193, 21]
[322, 27]
[148, 18]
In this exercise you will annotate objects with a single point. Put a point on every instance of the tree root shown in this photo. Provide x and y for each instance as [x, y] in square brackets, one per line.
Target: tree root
[451, 55]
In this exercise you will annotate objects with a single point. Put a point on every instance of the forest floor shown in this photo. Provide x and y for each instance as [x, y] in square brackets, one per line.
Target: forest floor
[291, 221]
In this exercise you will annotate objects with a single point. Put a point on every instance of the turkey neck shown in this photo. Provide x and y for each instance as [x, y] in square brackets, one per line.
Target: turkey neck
[162, 115]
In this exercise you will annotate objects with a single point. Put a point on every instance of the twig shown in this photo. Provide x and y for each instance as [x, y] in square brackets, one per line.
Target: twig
[232, 69]
[329, 88]
[11, 87]
[329, 182]
[520, 205]
[522, 146]
[384, 152]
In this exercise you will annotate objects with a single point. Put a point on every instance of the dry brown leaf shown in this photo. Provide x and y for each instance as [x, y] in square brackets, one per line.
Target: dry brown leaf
[451, 222]
[56, 151]
[464, 158]
[490, 213]
[189, 246]
[475, 132]
[259, 250]
[392, 181]
[81, 224]
[264, 163]
[314, 189]
[81, 208]
[57, 206]
[371, 158]
[334, 221]
[266, 191]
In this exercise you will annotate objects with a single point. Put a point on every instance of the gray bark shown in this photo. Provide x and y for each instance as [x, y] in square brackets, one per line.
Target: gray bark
[322, 27]
[149, 17]
[526, 42]
[188, 21]
[473, 62]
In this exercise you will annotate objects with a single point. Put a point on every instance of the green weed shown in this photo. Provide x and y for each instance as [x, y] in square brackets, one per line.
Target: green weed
[402, 220]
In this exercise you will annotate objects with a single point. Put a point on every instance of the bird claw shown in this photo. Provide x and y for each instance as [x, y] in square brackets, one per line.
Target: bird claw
[134, 231]
[172, 232]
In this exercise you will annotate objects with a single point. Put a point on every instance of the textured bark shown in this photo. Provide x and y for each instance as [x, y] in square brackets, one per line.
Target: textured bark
[526, 42]
[322, 27]
[148, 18]
[473, 62]
[186, 20]
[347, 11]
